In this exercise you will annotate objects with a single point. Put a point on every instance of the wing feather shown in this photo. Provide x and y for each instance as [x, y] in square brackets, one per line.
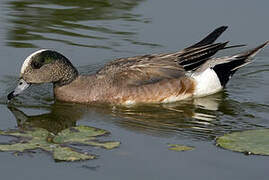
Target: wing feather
[148, 69]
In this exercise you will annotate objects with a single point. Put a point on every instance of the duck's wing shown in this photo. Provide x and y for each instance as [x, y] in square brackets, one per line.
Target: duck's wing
[153, 68]
[210, 38]
[142, 69]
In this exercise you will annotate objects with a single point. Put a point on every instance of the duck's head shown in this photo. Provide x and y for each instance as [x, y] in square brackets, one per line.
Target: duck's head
[44, 66]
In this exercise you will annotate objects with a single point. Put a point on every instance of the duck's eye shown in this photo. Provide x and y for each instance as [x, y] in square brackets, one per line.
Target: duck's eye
[36, 65]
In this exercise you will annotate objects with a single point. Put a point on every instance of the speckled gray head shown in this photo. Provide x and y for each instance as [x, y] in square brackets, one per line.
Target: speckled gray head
[44, 66]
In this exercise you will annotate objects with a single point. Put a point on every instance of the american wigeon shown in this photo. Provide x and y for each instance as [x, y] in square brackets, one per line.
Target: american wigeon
[155, 78]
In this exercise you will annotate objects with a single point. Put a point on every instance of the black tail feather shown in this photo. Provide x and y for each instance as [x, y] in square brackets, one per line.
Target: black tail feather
[197, 54]
[211, 38]
[226, 69]
[193, 58]
[234, 46]
[252, 52]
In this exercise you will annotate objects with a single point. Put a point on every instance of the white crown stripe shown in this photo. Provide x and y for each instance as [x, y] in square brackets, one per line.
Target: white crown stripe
[28, 60]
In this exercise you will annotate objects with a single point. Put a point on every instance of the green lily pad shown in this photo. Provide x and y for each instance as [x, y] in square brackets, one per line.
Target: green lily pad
[84, 135]
[38, 138]
[249, 142]
[106, 145]
[177, 147]
[20, 147]
[79, 134]
[30, 139]
[30, 133]
[68, 154]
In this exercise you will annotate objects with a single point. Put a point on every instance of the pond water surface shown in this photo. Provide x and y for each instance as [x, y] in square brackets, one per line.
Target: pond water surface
[91, 33]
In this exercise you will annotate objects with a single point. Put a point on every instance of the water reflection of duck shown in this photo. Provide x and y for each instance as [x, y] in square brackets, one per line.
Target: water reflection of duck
[155, 78]
[59, 118]
[194, 118]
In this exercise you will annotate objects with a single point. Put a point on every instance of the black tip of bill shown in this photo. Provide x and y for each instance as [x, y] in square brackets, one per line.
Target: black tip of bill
[22, 85]
[11, 96]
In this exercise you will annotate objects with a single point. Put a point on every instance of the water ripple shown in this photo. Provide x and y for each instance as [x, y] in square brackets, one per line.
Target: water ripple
[77, 21]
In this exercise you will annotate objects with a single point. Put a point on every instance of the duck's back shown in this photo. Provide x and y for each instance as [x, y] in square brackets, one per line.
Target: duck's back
[141, 70]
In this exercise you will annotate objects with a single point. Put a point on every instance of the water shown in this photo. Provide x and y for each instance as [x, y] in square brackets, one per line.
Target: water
[91, 33]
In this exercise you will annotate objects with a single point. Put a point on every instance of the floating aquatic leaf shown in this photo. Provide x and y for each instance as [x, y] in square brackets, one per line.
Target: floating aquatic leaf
[20, 147]
[38, 138]
[106, 145]
[30, 139]
[68, 154]
[84, 135]
[78, 134]
[177, 147]
[31, 133]
[250, 141]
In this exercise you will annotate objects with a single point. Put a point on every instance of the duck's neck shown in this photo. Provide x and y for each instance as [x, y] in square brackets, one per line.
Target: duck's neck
[83, 89]
[68, 74]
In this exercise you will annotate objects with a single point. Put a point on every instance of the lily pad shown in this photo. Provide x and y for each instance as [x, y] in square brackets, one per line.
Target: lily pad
[30, 139]
[30, 133]
[38, 138]
[249, 142]
[68, 154]
[106, 145]
[177, 147]
[79, 134]
[84, 135]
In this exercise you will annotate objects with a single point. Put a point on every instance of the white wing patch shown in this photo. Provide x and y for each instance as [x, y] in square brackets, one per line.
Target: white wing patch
[207, 82]
[27, 61]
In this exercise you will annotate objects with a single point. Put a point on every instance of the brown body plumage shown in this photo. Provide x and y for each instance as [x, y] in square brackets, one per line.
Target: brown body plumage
[88, 89]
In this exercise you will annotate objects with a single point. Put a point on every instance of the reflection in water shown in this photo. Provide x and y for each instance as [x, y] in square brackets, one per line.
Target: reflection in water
[77, 23]
[55, 121]
[195, 119]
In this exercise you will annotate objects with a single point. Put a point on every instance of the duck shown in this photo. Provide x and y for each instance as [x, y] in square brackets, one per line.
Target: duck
[154, 78]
